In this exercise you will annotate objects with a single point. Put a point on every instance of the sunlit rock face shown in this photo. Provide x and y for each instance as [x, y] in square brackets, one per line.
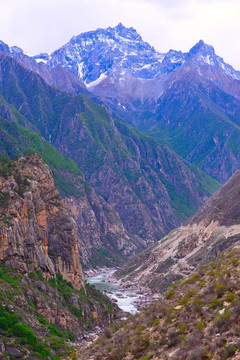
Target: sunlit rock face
[36, 230]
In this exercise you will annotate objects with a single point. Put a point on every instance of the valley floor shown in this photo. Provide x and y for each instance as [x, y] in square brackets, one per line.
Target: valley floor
[128, 295]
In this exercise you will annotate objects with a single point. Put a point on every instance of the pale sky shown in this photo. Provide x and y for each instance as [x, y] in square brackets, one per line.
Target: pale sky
[45, 25]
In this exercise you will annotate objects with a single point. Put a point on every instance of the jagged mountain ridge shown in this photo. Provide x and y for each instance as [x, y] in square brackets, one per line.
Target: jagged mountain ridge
[136, 178]
[179, 107]
[57, 76]
[140, 85]
[85, 56]
[214, 228]
[92, 55]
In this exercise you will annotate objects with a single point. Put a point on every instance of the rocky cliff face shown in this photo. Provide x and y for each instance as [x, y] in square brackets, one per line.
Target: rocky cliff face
[35, 228]
[104, 239]
[40, 268]
[211, 231]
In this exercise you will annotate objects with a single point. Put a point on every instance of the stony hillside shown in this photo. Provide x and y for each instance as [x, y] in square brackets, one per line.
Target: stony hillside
[198, 319]
[44, 300]
[96, 220]
[213, 229]
[46, 319]
[58, 76]
[35, 227]
[134, 190]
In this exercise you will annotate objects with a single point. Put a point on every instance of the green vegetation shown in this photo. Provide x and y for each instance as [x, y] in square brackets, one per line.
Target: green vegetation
[10, 327]
[102, 257]
[170, 294]
[197, 320]
[16, 325]
[17, 140]
[186, 133]
[23, 326]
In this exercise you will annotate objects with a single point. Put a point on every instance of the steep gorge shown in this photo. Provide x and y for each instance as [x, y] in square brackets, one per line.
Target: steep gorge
[41, 278]
[213, 229]
[125, 177]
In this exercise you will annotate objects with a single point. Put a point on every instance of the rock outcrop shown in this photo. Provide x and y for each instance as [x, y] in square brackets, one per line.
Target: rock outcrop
[36, 230]
[104, 240]
[41, 270]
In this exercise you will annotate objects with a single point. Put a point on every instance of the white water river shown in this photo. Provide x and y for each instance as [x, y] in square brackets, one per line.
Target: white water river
[125, 299]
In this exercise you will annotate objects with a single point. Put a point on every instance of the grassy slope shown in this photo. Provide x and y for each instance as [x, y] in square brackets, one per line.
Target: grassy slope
[200, 127]
[17, 140]
[24, 329]
[197, 320]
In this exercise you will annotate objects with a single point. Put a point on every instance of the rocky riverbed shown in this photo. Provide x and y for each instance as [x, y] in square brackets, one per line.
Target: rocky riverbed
[129, 296]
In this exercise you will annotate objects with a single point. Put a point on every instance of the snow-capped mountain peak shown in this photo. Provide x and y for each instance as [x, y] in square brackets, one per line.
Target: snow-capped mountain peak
[202, 48]
[43, 57]
[96, 55]
[171, 61]
[126, 33]
[91, 54]
[202, 54]
[9, 49]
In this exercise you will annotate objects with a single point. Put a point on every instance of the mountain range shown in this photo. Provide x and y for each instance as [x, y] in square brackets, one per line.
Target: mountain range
[126, 198]
[189, 101]
[136, 141]
[96, 55]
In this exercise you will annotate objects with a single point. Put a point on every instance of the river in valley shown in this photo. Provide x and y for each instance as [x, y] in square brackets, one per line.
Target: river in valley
[125, 299]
